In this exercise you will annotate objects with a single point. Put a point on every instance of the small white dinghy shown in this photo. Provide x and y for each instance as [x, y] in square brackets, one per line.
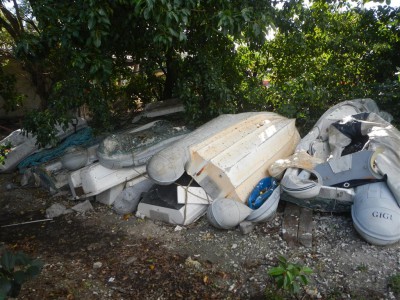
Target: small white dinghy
[228, 155]
[136, 146]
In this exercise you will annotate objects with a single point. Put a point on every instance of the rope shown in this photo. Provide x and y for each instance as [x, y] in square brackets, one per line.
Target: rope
[81, 137]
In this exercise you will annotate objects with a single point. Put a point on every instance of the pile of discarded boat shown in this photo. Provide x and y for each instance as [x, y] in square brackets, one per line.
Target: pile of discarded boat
[349, 159]
[237, 167]
[172, 174]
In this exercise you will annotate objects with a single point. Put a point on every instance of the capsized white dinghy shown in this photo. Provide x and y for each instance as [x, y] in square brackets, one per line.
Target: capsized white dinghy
[228, 155]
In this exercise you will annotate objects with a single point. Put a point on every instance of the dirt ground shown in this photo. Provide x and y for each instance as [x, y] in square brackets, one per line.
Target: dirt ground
[102, 255]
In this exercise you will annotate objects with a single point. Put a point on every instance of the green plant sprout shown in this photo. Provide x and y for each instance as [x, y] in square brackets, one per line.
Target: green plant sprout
[394, 284]
[290, 276]
[16, 269]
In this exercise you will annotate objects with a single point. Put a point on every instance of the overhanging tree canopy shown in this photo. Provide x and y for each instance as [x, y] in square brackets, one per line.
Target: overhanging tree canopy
[213, 55]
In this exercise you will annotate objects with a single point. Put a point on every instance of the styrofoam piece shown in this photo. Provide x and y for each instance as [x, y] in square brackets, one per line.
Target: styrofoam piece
[128, 199]
[267, 210]
[376, 215]
[192, 195]
[227, 213]
[95, 178]
[230, 163]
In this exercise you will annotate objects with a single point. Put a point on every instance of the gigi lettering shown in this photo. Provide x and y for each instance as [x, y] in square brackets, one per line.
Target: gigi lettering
[382, 215]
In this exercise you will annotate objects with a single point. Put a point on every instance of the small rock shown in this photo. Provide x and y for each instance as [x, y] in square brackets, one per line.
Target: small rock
[10, 186]
[131, 260]
[246, 227]
[57, 209]
[83, 207]
[97, 265]
[192, 263]
[178, 228]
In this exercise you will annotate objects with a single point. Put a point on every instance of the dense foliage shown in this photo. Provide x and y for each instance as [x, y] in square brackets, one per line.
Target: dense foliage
[116, 56]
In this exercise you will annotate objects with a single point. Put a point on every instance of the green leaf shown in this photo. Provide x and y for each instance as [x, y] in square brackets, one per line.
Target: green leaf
[182, 36]
[21, 259]
[295, 288]
[33, 271]
[289, 276]
[276, 271]
[97, 40]
[303, 279]
[307, 270]
[8, 261]
[91, 23]
[20, 277]
[173, 32]
[5, 287]
[280, 282]
[282, 259]
[285, 282]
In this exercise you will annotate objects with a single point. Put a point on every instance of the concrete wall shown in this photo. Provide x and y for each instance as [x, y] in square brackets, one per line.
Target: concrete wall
[23, 86]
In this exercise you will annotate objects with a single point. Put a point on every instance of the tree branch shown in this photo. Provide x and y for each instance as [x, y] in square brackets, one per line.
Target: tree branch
[18, 16]
[12, 21]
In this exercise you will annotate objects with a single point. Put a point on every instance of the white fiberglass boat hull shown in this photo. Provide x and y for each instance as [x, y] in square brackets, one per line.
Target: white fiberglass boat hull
[95, 179]
[228, 155]
[230, 163]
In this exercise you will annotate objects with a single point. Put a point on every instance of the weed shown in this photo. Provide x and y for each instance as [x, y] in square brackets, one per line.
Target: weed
[362, 267]
[15, 269]
[290, 276]
[394, 283]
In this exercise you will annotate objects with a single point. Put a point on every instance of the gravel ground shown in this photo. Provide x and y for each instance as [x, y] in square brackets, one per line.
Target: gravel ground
[101, 255]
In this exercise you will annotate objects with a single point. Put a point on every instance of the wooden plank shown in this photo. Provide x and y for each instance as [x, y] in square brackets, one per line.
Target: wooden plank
[290, 224]
[306, 226]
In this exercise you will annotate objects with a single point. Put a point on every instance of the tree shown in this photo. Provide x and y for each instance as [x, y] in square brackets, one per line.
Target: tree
[329, 52]
[213, 55]
[18, 27]
[93, 45]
